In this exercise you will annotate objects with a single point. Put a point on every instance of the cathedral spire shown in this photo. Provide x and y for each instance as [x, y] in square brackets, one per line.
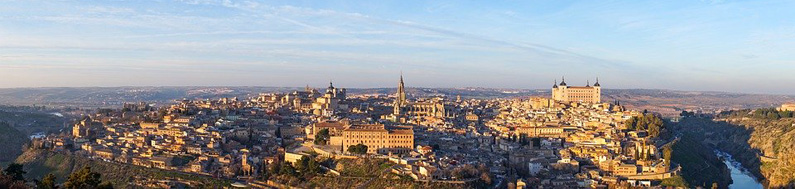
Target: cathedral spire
[400, 96]
[401, 90]
[401, 78]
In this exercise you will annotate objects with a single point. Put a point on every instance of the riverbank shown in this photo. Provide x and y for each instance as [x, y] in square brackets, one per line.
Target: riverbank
[741, 177]
[700, 167]
[764, 147]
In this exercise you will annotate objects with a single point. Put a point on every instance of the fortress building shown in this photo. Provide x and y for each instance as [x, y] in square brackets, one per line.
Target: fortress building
[588, 93]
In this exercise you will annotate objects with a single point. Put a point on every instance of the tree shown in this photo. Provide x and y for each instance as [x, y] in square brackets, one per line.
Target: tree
[313, 166]
[307, 166]
[278, 132]
[523, 139]
[322, 137]
[485, 178]
[358, 149]
[785, 114]
[465, 172]
[287, 169]
[650, 123]
[301, 164]
[48, 182]
[667, 153]
[273, 169]
[85, 178]
[15, 171]
[8, 182]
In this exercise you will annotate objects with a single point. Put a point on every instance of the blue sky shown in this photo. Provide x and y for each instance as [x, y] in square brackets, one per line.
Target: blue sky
[738, 46]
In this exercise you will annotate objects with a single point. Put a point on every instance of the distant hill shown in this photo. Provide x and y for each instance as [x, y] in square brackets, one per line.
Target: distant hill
[672, 102]
[667, 102]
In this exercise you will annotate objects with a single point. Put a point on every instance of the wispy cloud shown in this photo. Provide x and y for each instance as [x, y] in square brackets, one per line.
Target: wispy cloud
[502, 43]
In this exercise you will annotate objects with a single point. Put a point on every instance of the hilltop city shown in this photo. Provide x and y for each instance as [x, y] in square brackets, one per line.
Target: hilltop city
[570, 139]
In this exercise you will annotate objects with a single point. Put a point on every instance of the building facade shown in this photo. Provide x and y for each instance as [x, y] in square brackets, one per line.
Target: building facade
[787, 107]
[587, 93]
[378, 139]
[86, 128]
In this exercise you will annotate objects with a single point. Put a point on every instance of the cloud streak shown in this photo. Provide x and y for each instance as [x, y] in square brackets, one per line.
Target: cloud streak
[506, 44]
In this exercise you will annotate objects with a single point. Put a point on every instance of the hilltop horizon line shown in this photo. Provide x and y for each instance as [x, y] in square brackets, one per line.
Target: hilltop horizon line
[364, 88]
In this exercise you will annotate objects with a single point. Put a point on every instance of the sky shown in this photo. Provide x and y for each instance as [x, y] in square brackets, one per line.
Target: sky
[734, 46]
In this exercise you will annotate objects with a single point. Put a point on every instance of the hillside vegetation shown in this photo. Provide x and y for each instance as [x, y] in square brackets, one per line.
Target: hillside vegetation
[12, 141]
[39, 163]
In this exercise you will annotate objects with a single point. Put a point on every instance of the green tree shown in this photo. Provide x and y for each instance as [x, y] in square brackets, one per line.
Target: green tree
[650, 123]
[287, 169]
[273, 169]
[307, 166]
[8, 182]
[358, 149]
[301, 164]
[322, 137]
[667, 151]
[85, 178]
[785, 114]
[48, 182]
[15, 171]
[313, 166]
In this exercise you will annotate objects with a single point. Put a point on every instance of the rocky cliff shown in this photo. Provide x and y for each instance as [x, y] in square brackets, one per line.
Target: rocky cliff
[765, 146]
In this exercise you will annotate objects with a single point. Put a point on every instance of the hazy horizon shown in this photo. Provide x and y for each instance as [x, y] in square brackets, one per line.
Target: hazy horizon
[722, 46]
[390, 87]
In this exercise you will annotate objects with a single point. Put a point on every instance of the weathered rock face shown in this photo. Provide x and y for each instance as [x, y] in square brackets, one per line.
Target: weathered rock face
[774, 141]
[763, 145]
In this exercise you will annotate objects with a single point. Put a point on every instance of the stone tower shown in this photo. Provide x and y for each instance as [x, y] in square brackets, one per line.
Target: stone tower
[400, 96]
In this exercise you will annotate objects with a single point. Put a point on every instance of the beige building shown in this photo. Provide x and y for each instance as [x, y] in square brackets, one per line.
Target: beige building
[565, 93]
[86, 128]
[335, 129]
[542, 131]
[787, 107]
[379, 139]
